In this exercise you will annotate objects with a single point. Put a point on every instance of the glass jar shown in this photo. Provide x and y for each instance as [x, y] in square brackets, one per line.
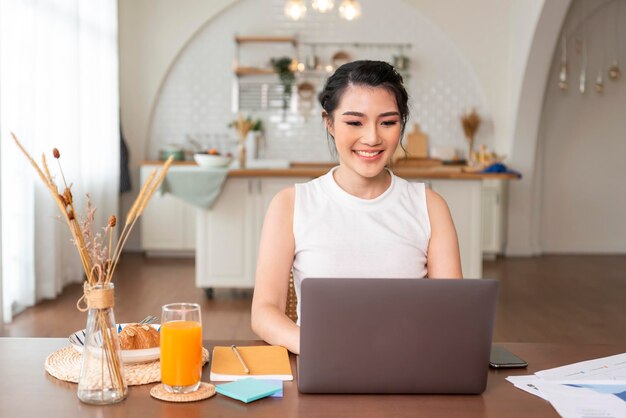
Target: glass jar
[101, 376]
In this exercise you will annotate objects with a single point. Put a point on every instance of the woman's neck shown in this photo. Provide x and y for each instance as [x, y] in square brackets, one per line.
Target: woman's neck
[360, 186]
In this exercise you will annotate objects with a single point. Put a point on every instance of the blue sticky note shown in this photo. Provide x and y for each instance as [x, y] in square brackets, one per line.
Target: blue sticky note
[248, 390]
[278, 394]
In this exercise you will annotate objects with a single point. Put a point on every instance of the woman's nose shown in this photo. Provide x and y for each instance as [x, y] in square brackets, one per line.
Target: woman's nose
[371, 137]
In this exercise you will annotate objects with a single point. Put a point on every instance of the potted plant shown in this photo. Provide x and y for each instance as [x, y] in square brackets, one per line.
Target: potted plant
[284, 67]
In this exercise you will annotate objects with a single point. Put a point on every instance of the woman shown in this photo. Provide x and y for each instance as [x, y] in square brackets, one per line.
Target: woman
[358, 220]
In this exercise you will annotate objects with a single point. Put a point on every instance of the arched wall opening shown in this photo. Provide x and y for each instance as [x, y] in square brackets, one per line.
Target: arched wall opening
[524, 212]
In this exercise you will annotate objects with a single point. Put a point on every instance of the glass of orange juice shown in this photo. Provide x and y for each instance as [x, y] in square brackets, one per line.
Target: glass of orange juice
[181, 347]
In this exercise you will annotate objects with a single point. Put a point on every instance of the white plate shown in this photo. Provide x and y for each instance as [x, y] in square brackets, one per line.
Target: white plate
[77, 340]
[209, 160]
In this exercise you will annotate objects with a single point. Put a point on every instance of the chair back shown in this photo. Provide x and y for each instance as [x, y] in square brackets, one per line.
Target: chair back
[292, 301]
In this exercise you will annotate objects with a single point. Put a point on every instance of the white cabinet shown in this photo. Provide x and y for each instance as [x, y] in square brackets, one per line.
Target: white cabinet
[228, 234]
[495, 194]
[168, 225]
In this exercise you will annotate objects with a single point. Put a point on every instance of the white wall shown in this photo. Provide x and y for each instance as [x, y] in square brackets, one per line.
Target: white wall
[491, 34]
[583, 143]
[195, 100]
[151, 33]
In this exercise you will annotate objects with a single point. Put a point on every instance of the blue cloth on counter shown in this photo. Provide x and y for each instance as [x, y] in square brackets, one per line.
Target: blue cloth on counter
[500, 168]
[198, 186]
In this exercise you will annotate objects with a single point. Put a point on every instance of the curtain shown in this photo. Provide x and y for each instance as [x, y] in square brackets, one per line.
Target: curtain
[58, 88]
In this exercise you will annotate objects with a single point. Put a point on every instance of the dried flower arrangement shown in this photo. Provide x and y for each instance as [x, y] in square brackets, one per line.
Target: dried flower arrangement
[243, 126]
[470, 122]
[99, 260]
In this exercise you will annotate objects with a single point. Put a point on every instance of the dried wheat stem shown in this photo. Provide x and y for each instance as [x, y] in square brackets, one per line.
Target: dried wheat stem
[144, 189]
[61, 170]
[77, 235]
[110, 245]
[140, 204]
[121, 243]
[155, 185]
[33, 163]
[44, 163]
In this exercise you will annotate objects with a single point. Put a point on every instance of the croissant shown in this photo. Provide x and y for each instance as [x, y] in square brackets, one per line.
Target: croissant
[136, 337]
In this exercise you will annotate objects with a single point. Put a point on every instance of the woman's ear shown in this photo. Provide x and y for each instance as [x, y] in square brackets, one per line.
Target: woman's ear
[328, 123]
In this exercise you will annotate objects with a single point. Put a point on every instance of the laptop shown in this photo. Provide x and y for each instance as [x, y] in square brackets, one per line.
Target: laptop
[395, 335]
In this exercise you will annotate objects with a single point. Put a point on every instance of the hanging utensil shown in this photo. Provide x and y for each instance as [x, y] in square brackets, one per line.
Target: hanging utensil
[563, 72]
[599, 82]
[582, 82]
[614, 71]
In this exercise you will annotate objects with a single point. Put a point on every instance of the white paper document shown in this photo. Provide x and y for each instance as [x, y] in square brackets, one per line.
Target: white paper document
[527, 384]
[585, 400]
[611, 368]
[594, 388]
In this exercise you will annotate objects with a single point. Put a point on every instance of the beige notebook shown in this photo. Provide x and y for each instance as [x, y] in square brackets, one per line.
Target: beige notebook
[264, 362]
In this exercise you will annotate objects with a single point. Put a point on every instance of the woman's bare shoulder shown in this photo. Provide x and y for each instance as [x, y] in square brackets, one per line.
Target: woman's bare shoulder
[286, 197]
[434, 200]
[282, 203]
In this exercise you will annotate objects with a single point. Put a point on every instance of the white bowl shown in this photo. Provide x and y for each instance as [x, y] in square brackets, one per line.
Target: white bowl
[77, 340]
[208, 160]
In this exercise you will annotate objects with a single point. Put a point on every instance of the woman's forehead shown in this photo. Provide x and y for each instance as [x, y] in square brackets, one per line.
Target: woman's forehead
[367, 99]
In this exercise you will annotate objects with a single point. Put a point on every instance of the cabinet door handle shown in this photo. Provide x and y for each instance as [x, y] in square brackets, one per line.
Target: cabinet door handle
[249, 186]
[259, 187]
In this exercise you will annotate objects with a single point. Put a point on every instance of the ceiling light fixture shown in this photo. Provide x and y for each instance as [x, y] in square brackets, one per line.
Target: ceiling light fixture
[323, 6]
[295, 9]
[349, 9]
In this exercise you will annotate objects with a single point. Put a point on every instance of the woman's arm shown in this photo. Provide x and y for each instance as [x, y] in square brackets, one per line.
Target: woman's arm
[444, 261]
[275, 259]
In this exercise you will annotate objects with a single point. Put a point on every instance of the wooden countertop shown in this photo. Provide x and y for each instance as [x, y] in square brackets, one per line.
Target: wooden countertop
[319, 169]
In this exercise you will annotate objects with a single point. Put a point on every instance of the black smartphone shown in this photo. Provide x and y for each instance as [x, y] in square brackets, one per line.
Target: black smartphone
[501, 358]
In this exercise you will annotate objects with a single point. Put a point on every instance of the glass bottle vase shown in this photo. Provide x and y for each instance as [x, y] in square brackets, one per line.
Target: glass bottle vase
[101, 376]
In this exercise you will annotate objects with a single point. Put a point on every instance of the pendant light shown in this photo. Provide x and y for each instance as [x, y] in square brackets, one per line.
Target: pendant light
[349, 10]
[295, 9]
[323, 6]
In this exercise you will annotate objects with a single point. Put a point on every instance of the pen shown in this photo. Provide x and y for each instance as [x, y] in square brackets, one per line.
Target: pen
[243, 363]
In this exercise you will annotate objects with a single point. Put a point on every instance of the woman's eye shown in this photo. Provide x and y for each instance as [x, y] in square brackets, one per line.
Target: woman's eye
[390, 122]
[355, 123]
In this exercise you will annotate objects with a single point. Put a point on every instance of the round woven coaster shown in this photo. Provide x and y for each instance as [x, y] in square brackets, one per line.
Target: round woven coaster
[205, 391]
[64, 364]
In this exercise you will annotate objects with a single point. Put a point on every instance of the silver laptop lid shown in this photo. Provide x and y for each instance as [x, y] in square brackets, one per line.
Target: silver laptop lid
[395, 335]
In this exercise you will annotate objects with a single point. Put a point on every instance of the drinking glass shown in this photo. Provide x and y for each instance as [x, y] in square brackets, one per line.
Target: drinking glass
[181, 347]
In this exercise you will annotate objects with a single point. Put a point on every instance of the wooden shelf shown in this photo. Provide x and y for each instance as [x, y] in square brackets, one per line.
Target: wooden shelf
[244, 71]
[273, 39]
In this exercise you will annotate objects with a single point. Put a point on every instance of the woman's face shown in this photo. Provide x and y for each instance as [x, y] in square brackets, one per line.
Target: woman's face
[366, 127]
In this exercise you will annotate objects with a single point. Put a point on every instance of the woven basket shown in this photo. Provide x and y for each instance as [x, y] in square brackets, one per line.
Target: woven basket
[65, 364]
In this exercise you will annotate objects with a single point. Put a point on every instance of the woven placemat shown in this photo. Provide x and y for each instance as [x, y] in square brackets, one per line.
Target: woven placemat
[64, 364]
[205, 391]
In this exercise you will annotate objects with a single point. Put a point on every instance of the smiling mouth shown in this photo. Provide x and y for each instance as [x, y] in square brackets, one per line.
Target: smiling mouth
[368, 154]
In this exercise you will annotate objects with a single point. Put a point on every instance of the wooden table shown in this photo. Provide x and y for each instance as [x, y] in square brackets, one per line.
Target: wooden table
[26, 390]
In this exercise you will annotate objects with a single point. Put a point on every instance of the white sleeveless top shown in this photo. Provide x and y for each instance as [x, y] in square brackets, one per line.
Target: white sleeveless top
[339, 235]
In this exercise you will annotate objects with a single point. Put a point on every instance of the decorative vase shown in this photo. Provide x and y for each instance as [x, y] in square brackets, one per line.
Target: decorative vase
[101, 376]
[241, 152]
[471, 154]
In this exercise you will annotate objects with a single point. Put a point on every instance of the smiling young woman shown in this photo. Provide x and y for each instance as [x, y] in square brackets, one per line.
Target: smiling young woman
[359, 219]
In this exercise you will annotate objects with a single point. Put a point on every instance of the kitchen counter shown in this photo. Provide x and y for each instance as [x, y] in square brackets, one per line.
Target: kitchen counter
[319, 169]
[170, 224]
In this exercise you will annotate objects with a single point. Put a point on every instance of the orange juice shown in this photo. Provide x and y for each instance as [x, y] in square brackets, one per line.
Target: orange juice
[181, 353]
